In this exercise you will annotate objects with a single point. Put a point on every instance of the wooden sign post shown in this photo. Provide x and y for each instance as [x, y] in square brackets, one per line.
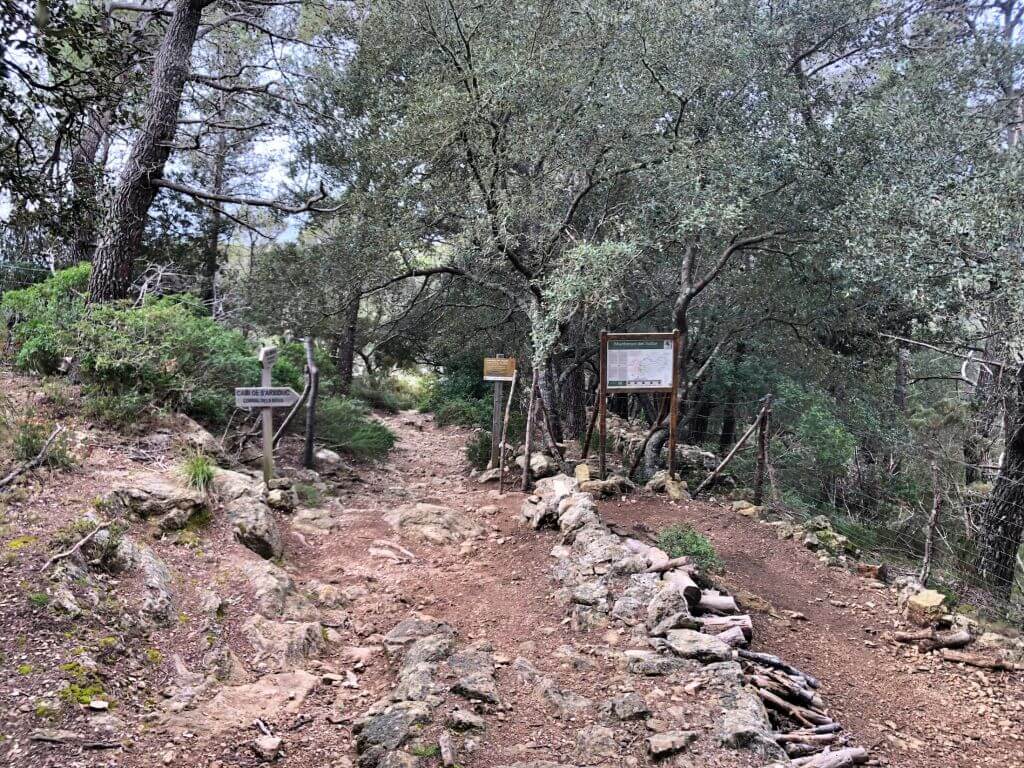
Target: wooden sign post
[498, 370]
[639, 362]
[266, 398]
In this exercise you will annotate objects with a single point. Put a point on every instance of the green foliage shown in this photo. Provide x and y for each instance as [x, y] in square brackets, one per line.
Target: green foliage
[344, 424]
[378, 397]
[478, 449]
[831, 446]
[29, 438]
[39, 599]
[307, 494]
[198, 470]
[45, 316]
[682, 540]
[459, 396]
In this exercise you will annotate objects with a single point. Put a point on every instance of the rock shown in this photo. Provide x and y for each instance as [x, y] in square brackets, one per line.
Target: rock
[390, 729]
[565, 703]
[235, 706]
[229, 485]
[153, 497]
[284, 644]
[433, 523]
[593, 593]
[267, 748]
[159, 602]
[194, 437]
[429, 649]
[475, 672]
[254, 526]
[541, 465]
[654, 664]
[463, 720]
[489, 476]
[55, 736]
[99, 705]
[629, 706]
[744, 723]
[690, 644]
[409, 630]
[925, 607]
[616, 485]
[877, 572]
[595, 744]
[275, 593]
[283, 500]
[662, 745]
[328, 460]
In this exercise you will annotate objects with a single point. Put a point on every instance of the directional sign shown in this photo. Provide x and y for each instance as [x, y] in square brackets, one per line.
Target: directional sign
[268, 355]
[265, 397]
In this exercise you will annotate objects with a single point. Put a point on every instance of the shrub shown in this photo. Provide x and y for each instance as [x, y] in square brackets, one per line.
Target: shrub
[343, 424]
[29, 438]
[681, 540]
[198, 470]
[45, 316]
[478, 449]
[378, 397]
[462, 413]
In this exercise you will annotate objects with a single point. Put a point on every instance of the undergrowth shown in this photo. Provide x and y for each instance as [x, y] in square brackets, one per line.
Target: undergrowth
[681, 540]
[198, 470]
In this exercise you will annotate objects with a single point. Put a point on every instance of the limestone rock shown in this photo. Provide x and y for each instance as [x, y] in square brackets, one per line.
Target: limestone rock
[925, 607]
[744, 723]
[616, 485]
[267, 748]
[270, 697]
[409, 630]
[690, 644]
[153, 497]
[284, 644]
[475, 672]
[489, 476]
[595, 744]
[653, 664]
[629, 706]
[159, 602]
[662, 745]
[389, 729]
[541, 465]
[255, 527]
[433, 523]
[282, 499]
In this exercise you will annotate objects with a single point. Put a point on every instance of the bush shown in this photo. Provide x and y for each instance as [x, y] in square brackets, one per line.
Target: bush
[478, 449]
[29, 435]
[377, 397]
[681, 540]
[343, 424]
[463, 413]
[45, 316]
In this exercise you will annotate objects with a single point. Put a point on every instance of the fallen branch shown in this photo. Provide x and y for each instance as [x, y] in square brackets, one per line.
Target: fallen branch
[983, 662]
[717, 470]
[19, 470]
[77, 546]
[840, 758]
[929, 640]
[776, 663]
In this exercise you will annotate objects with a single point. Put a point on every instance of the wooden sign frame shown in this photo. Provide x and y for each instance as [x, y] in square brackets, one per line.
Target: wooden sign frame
[672, 391]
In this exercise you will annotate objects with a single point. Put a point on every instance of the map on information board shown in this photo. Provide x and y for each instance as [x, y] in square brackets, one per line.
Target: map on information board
[639, 364]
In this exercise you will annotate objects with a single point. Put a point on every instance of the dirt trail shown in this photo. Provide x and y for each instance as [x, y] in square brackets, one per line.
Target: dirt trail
[553, 682]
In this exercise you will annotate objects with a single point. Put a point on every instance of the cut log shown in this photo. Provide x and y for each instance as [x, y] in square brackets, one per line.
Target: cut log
[681, 563]
[713, 601]
[930, 640]
[776, 663]
[840, 758]
[733, 637]
[983, 662]
[788, 690]
[681, 581]
[805, 737]
[713, 625]
[803, 715]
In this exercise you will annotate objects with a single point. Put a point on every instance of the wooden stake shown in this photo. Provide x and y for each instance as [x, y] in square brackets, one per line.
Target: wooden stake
[590, 426]
[504, 432]
[746, 435]
[673, 408]
[313, 384]
[933, 521]
[496, 404]
[529, 433]
[603, 400]
[762, 451]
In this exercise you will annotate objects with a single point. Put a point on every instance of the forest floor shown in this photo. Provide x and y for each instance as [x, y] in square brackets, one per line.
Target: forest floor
[310, 671]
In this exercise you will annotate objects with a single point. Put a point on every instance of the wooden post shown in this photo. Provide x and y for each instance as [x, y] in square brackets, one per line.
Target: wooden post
[590, 429]
[602, 388]
[313, 384]
[267, 357]
[504, 432]
[764, 422]
[496, 404]
[933, 522]
[673, 408]
[528, 447]
[746, 436]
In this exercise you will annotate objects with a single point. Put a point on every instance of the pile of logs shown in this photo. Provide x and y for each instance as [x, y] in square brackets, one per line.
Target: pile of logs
[804, 728]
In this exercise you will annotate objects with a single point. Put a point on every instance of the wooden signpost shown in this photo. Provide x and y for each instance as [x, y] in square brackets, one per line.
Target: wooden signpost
[639, 362]
[266, 398]
[498, 370]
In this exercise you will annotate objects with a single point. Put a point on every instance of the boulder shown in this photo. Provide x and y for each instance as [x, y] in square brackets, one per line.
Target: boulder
[629, 706]
[541, 465]
[489, 475]
[254, 526]
[283, 499]
[474, 670]
[433, 523]
[662, 745]
[229, 485]
[391, 728]
[654, 664]
[328, 460]
[158, 605]
[690, 644]
[153, 497]
[284, 644]
[236, 706]
[925, 607]
[744, 723]
[616, 485]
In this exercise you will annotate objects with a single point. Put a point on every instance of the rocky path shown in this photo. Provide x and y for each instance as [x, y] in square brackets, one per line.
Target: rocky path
[407, 617]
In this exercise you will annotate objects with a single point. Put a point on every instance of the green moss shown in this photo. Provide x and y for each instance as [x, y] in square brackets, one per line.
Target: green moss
[39, 599]
[76, 693]
[47, 710]
[154, 657]
[307, 494]
[25, 669]
[19, 543]
[426, 750]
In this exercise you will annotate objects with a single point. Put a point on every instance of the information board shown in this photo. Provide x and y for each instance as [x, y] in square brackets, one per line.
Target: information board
[499, 368]
[639, 364]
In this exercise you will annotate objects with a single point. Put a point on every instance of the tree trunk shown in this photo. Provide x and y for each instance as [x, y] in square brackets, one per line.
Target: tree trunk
[125, 222]
[546, 386]
[211, 253]
[85, 173]
[1001, 522]
[574, 398]
[347, 346]
[700, 417]
[899, 390]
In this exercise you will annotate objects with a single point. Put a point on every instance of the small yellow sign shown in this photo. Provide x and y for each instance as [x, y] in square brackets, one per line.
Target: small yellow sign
[499, 368]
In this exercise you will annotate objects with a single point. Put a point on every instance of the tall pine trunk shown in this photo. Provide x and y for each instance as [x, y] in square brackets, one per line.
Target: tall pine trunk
[347, 344]
[125, 222]
[1001, 522]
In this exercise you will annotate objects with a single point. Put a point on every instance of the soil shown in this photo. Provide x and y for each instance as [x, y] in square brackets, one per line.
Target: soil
[910, 711]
